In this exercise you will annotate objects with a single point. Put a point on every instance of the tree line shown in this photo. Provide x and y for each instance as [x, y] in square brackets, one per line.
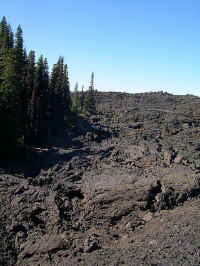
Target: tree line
[35, 104]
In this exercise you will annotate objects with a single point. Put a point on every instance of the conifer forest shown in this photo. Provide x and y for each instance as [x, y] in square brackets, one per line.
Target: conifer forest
[36, 104]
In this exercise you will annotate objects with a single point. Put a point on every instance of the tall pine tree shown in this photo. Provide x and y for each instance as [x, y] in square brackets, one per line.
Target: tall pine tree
[82, 100]
[29, 104]
[60, 101]
[10, 104]
[90, 104]
[67, 94]
[39, 103]
[21, 76]
[75, 99]
[6, 35]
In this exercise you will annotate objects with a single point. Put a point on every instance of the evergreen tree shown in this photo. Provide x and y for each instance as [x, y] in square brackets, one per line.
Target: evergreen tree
[6, 35]
[40, 97]
[11, 129]
[21, 75]
[60, 101]
[75, 99]
[6, 42]
[10, 101]
[67, 95]
[90, 104]
[11, 37]
[82, 100]
[29, 106]
[54, 99]
[3, 33]
[19, 49]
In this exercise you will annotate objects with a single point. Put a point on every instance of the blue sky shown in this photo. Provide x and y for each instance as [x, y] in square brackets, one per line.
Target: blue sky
[130, 45]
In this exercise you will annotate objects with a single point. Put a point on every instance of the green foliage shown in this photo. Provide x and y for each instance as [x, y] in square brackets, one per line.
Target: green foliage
[19, 50]
[90, 104]
[39, 102]
[82, 100]
[60, 99]
[6, 35]
[9, 104]
[35, 106]
[75, 99]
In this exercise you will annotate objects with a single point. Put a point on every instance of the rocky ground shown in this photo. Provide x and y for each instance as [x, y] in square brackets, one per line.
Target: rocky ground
[119, 189]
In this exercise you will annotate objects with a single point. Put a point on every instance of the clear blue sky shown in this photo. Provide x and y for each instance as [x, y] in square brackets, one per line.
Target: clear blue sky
[130, 45]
